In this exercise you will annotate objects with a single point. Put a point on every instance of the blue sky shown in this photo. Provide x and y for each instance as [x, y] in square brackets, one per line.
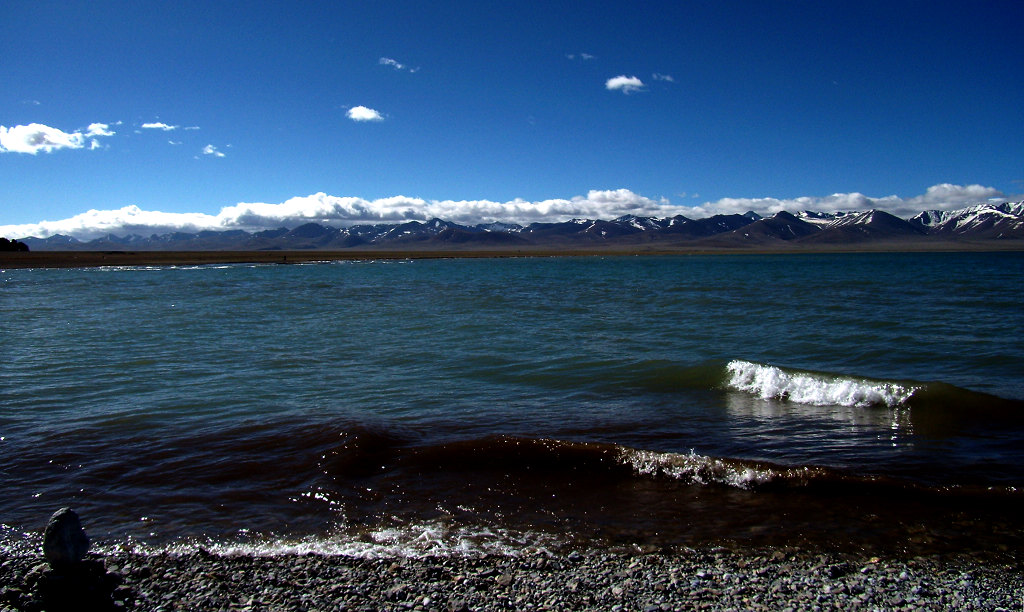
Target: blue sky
[481, 110]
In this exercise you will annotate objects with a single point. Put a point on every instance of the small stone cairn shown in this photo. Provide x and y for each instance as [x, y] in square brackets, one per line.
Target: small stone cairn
[64, 540]
[72, 582]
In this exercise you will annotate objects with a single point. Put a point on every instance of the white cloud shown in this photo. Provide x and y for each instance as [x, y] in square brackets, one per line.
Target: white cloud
[938, 197]
[362, 113]
[582, 56]
[159, 126]
[212, 150]
[344, 211]
[36, 137]
[946, 196]
[338, 211]
[397, 65]
[99, 129]
[127, 220]
[625, 84]
[663, 77]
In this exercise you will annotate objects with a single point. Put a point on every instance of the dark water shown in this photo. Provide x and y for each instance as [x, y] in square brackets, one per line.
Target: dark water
[854, 401]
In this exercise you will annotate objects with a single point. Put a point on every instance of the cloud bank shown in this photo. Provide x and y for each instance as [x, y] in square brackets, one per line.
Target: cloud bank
[341, 212]
[338, 211]
[36, 137]
[945, 196]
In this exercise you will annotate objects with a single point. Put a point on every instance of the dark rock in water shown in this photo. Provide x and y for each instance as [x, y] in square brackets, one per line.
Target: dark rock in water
[64, 540]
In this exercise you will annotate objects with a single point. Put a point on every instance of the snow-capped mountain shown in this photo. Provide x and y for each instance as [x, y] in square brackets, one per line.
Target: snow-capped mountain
[866, 226]
[1003, 221]
[820, 219]
[989, 221]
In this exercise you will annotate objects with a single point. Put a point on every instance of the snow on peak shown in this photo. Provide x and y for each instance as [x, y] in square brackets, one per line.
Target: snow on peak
[849, 219]
[965, 219]
[820, 219]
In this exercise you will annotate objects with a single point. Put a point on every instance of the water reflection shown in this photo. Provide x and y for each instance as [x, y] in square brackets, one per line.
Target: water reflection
[745, 406]
[824, 427]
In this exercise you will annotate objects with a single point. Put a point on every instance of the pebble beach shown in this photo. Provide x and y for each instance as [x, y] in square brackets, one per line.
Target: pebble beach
[714, 579]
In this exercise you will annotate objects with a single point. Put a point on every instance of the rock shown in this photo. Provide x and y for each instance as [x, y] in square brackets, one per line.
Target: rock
[458, 605]
[64, 540]
[288, 582]
[839, 570]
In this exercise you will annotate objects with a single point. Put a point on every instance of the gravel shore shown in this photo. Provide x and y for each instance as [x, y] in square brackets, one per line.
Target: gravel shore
[705, 580]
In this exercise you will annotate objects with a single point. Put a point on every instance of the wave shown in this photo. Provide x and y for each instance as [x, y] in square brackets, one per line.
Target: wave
[369, 491]
[545, 456]
[413, 540]
[529, 461]
[704, 470]
[761, 380]
[770, 382]
[931, 403]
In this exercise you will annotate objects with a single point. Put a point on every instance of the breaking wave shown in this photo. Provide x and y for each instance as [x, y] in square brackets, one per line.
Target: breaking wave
[703, 470]
[770, 382]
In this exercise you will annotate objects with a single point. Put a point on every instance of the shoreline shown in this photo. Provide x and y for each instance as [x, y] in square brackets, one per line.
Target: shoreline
[714, 579]
[87, 259]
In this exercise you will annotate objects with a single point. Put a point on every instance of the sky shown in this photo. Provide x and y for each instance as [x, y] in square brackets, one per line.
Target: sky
[143, 117]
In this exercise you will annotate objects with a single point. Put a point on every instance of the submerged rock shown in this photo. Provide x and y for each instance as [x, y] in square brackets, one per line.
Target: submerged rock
[64, 540]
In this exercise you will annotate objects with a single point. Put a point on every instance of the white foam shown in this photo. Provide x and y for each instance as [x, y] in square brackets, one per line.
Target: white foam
[704, 470]
[417, 540]
[698, 469]
[769, 382]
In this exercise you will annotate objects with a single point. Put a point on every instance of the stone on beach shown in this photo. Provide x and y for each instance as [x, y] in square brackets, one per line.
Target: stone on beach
[690, 579]
[64, 540]
[72, 582]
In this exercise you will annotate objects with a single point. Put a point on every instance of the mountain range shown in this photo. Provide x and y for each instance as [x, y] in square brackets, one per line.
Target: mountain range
[983, 222]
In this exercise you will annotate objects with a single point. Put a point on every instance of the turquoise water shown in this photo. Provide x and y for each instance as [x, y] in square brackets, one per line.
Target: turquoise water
[358, 406]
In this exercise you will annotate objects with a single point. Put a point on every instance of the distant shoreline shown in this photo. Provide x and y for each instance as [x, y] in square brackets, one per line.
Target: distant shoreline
[89, 259]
